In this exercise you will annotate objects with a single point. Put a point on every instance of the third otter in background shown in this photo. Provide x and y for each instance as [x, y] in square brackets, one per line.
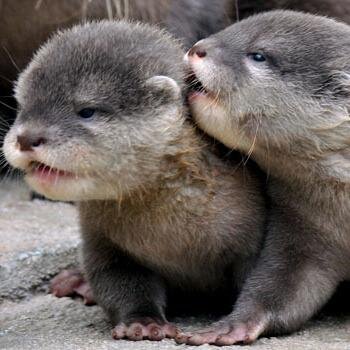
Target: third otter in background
[25, 25]
[277, 87]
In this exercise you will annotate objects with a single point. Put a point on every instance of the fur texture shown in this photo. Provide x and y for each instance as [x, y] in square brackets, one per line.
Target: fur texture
[159, 209]
[290, 112]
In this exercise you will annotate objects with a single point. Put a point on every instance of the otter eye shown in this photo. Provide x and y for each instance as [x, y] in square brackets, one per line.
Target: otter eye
[256, 56]
[86, 113]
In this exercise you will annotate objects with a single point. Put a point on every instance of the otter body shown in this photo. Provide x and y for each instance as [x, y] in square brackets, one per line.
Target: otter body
[159, 209]
[287, 107]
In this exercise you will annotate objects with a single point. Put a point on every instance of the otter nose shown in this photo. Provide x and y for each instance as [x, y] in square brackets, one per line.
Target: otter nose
[197, 50]
[26, 142]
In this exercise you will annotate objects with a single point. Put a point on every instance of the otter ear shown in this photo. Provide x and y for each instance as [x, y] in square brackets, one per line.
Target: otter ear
[163, 86]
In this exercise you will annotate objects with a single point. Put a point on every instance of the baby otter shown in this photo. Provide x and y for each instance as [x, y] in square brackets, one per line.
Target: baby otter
[277, 87]
[102, 122]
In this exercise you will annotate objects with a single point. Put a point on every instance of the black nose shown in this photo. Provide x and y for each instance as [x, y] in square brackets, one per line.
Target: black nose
[27, 142]
[197, 50]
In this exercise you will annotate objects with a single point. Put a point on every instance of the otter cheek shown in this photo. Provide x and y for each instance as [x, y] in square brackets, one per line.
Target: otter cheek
[214, 120]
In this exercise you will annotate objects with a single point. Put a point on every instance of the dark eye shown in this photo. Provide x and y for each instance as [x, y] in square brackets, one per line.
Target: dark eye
[256, 56]
[87, 113]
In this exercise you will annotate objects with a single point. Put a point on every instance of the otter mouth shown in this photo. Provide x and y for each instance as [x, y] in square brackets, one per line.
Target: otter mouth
[46, 172]
[196, 87]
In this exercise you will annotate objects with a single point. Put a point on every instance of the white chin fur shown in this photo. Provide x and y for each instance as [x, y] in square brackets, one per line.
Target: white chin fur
[74, 190]
[213, 119]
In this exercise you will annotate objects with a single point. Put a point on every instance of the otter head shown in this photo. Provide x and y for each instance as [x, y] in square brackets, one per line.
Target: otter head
[100, 105]
[278, 81]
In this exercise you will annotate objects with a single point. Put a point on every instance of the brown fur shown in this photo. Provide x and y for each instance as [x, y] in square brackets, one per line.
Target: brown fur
[161, 210]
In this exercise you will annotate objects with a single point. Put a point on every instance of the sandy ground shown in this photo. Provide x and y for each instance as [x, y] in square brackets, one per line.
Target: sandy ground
[40, 238]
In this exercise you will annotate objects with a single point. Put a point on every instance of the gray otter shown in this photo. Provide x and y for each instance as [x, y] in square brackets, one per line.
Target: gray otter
[277, 87]
[102, 122]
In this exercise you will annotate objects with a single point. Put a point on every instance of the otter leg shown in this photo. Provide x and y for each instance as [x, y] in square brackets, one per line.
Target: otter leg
[293, 279]
[70, 282]
[133, 297]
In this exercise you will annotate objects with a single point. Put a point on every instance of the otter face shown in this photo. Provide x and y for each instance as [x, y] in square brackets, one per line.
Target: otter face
[99, 107]
[278, 80]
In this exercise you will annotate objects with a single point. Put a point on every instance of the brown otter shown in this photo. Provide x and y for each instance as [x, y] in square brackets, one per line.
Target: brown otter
[102, 122]
[276, 86]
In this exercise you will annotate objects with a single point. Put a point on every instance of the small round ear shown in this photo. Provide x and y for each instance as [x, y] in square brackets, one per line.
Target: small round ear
[164, 87]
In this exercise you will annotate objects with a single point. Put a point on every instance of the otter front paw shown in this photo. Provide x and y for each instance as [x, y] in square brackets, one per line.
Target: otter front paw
[70, 282]
[142, 329]
[223, 333]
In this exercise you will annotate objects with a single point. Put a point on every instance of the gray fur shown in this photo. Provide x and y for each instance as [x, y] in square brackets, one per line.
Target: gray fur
[291, 115]
[158, 208]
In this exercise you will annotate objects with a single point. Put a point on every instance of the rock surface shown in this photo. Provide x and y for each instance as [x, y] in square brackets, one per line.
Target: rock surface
[40, 238]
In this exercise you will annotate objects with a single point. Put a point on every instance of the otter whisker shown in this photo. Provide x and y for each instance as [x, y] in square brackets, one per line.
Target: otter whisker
[251, 150]
[8, 106]
[11, 58]
[6, 79]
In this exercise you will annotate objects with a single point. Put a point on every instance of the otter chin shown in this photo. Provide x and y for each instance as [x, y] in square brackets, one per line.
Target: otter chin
[286, 106]
[60, 185]
[49, 181]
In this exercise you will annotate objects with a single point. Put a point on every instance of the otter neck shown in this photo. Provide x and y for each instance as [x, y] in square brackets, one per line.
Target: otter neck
[295, 172]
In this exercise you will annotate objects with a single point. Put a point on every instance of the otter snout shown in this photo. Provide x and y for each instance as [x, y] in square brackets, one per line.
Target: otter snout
[27, 142]
[20, 146]
[197, 51]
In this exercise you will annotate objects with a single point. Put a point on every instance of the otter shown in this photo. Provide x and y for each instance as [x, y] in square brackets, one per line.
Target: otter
[103, 122]
[276, 87]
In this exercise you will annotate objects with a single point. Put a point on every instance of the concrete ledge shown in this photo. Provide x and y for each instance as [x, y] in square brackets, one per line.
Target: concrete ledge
[40, 238]
[37, 240]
